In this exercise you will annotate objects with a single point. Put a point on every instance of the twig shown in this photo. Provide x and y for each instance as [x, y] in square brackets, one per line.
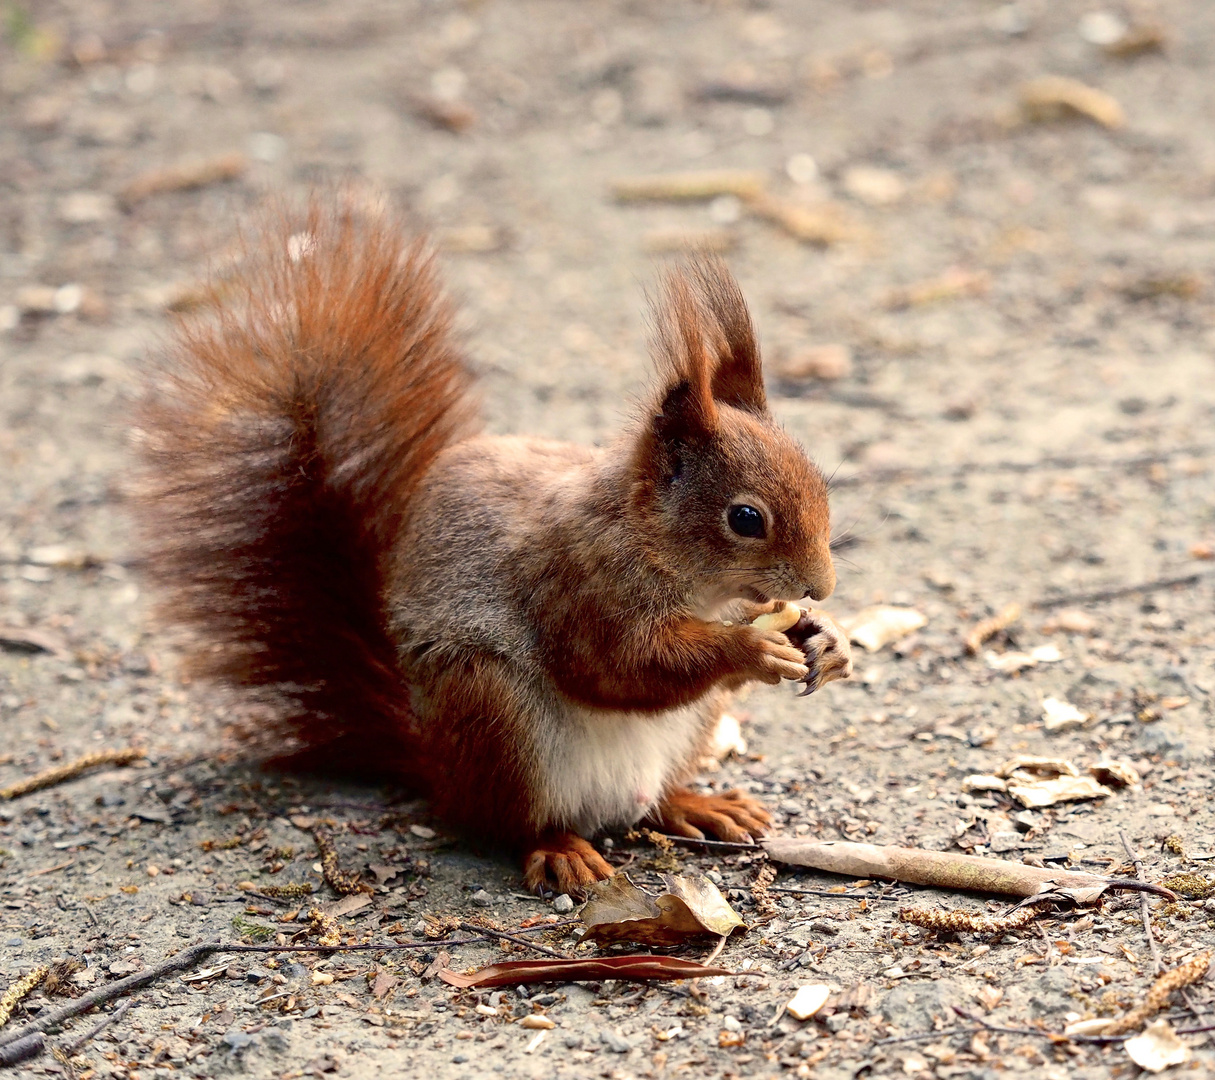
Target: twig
[60, 773]
[1145, 912]
[688, 841]
[1004, 1030]
[474, 929]
[119, 1012]
[22, 1049]
[832, 895]
[178, 962]
[924, 1036]
[1102, 595]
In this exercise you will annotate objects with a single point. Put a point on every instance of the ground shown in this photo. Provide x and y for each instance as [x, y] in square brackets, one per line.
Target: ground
[1004, 358]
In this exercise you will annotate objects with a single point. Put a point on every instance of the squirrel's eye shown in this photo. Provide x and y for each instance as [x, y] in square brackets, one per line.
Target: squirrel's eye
[746, 521]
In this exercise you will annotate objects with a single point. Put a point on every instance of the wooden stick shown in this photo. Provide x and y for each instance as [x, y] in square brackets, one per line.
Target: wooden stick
[503, 935]
[60, 773]
[1101, 595]
[1145, 912]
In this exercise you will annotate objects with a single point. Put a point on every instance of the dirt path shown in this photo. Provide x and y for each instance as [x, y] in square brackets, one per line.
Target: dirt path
[1018, 315]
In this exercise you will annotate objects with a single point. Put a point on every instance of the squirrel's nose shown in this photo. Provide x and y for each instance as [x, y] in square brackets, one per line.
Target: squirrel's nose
[821, 583]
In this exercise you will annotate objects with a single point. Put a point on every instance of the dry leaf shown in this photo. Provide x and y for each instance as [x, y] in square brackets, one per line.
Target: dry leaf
[1027, 767]
[1115, 773]
[1157, 1047]
[691, 907]
[808, 1000]
[945, 870]
[984, 782]
[604, 967]
[877, 626]
[347, 905]
[1061, 715]
[1038, 793]
[1011, 662]
[383, 983]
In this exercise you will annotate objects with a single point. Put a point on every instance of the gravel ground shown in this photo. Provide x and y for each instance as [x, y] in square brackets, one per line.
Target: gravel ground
[1004, 353]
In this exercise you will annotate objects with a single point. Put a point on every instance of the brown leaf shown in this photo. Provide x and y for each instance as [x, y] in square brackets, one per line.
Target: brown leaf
[384, 872]
[384, 982]
[436, 965]
[604, 967]
[347, 905]
[691, 907]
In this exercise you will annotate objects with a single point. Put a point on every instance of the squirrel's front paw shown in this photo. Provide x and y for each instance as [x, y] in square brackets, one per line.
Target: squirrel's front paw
[825, 647]
[566, 860]
[775, 657]
[730, 815]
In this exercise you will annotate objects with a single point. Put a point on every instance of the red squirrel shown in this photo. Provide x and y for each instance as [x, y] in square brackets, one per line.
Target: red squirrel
[541, 634]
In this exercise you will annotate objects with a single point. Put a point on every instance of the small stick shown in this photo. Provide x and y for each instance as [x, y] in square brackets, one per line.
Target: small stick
[924, 1036]
[119, 1012]
[1101, 595]
[474, 929]
[1145, 912]
[690, 841]
[60, 773]
[988, 628]
[19, 1050]
[178, 962]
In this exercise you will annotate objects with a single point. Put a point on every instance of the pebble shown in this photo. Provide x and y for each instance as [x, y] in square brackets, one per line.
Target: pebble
[614, 1041]
[563, 904]
[481, 898]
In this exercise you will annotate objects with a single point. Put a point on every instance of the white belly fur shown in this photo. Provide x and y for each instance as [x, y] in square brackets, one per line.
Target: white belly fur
[600, 769]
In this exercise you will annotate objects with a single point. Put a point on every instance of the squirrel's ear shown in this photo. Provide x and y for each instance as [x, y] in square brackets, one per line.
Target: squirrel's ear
[738, 379]
[685, 411]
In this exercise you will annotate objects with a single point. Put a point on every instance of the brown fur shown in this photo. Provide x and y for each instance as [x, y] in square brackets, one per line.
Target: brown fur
[534, 629]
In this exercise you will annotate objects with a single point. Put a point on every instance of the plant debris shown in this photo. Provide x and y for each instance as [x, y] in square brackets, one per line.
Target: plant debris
[1157, 1047]
[807, 1001]
[1054, 97]
[184, 177]
[875, 627]
[970, 922]
[1161, 993]
[945, 870]
[690, 907]
[989, 628]
[13, 995]
[335, 877]
[690, 186]
[604, 967]
[73, 769]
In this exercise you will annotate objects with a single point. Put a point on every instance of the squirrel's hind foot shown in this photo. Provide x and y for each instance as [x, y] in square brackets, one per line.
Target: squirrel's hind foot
[728, 816]
[567, 861]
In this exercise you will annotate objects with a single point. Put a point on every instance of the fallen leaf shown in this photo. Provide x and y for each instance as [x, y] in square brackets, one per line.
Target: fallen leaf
[347, 905]
[384, 982]
[690, 907]
[23, 640]
[604, 967]
[808, 1000]
[877, 626]
[437, 965]
[1026, 767]
[1061, 715]
[384, 872]
[1038, 793]
[1115, 773]
[1157, 1047]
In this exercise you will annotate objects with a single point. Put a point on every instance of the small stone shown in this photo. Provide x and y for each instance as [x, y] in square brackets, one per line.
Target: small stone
[836, 1022]
[614, 1041]
[481, 898]
[86, 207]
[827, 362]
[459, 1059]
[808, 1000]
[237, 1040]
[731, 1023]
[537, 1022]
[873, 186]
[563, 904]
[422, 832]
[1005, 841]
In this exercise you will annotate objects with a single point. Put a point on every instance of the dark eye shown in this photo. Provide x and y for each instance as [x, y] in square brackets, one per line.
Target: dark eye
[746, 521]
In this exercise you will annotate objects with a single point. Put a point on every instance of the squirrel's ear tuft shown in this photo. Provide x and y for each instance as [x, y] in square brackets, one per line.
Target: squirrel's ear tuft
[738, 378]
[686, 411]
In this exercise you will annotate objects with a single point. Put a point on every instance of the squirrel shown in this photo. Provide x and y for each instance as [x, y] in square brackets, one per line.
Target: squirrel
[541, 635]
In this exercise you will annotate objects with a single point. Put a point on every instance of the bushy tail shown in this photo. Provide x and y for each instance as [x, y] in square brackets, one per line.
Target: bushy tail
[283, 436]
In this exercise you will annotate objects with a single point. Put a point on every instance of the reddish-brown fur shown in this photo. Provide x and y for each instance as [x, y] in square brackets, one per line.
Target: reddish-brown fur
[508, 621]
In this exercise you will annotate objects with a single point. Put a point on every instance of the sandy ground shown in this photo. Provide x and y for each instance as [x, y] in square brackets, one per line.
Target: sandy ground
[1016, 325]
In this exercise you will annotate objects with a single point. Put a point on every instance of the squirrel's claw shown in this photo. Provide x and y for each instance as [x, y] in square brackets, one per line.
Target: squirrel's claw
[570, 862]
